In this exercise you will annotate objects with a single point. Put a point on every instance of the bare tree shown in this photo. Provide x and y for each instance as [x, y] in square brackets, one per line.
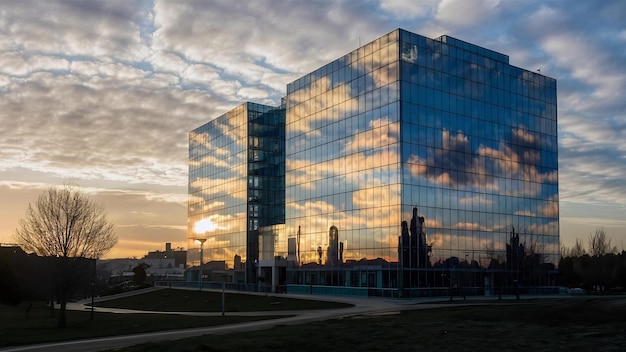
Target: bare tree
[65, 224]
[577, 251]
[600, 244]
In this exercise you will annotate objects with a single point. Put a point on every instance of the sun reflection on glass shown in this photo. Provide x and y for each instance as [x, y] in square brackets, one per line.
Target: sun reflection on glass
[204, 226]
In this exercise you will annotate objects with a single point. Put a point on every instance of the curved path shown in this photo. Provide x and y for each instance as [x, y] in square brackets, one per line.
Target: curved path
[362, 306]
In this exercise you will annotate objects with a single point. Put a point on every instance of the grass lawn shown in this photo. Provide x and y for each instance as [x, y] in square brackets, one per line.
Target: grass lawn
[17, 328]
[39, 327]
[578, 324]
[173, 300]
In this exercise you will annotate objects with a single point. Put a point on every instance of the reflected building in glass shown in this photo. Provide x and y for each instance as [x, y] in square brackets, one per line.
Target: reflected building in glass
[413, 166]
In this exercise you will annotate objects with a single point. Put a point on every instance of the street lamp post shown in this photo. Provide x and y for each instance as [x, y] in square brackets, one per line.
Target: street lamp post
[465, 277]
[93, 283]
[92, 298]
[201, 240]
[223, 295]
[202, 227]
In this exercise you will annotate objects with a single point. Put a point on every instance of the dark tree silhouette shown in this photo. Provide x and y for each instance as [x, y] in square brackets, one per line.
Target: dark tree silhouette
[599, 269]
[66, 225]
[140, 273]
[600, 244]
[10, 287]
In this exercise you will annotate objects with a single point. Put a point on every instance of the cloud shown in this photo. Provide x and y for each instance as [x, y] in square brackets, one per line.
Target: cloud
[257, 37]
[408, 9]
[106, 92]
[579, 47]
[466, 13]
[75, 28]
[61, 123]
[253, 94]
[168, 62]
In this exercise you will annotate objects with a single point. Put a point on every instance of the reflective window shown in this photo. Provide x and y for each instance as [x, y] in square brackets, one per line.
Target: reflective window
[446, 158]
[408, 163]
[236, 185]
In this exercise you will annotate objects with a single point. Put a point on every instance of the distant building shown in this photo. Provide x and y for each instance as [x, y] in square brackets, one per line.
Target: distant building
[398, 168]
[162, 265]
[116, 271]
[178, 255]
[164, 269]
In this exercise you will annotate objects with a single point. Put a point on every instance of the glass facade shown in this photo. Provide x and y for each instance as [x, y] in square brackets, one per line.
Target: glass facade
[434, 160]
[344, 168]
[411, 165]
[236, 186]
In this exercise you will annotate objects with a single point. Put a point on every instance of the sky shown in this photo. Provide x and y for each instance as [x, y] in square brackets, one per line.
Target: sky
[103, 94]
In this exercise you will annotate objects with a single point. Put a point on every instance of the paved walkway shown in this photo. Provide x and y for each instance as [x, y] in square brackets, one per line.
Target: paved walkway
[362, 306]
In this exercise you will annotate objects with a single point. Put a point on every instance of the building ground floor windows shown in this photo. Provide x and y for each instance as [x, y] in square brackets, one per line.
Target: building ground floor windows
[388, 279]
[379, 278]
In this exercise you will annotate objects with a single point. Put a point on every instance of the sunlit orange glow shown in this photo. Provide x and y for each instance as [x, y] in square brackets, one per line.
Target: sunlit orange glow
[204, 226]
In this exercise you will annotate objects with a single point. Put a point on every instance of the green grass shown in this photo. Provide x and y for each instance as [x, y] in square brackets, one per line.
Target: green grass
[553, 325]
[173, 300]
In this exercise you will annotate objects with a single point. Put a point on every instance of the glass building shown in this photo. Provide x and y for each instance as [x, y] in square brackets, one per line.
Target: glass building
[236, 188]
[413, 166]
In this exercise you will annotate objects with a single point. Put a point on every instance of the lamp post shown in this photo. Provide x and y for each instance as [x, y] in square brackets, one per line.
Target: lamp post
[463, 281]
[223, 295]
[450, 281]
[92, 298]
[202, 227]
[93, 283]
[201, 240]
